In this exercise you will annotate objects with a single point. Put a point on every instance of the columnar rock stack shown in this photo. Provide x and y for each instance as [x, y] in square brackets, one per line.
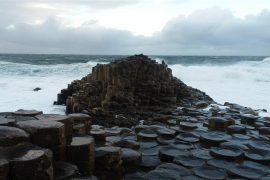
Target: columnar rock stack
[130, 84]
[31, 144]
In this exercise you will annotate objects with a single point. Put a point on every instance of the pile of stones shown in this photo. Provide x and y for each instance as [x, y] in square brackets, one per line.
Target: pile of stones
[136, 87]
[217, 142]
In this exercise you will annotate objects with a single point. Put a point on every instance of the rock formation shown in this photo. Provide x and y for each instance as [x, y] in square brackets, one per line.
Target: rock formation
[130, 85]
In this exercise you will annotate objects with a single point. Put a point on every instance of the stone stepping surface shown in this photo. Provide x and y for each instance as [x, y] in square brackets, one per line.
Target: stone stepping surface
[68, 122]
[248, 172]
[189, 161]
[82, 123]
[209, 172]
[227, 153]
[31, 162]
[209, 143]
[22, 112]
[81, 152]
[188, 137]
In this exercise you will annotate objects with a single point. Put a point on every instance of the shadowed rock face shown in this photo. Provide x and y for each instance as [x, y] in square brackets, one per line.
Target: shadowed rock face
[129, 84]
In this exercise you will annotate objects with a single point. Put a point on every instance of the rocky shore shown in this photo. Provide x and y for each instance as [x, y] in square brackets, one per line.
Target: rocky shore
[135, 88]
[151, 127]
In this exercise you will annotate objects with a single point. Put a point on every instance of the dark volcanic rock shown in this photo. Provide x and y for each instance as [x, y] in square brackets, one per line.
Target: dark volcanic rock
[10, 136]
[133, 85]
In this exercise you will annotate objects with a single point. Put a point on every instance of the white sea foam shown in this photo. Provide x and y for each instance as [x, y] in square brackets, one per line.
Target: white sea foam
[246, 83]
[17, 82]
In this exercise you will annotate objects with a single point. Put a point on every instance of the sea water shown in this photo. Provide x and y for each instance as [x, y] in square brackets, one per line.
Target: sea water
[237, 79]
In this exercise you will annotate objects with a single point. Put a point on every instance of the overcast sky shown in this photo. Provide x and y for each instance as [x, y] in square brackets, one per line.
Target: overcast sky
[161, 27]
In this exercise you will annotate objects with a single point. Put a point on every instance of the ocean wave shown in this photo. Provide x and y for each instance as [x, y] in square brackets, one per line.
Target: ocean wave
[248, 71]
[21, 69]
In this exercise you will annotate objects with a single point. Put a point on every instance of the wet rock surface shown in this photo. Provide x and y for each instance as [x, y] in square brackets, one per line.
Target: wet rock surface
[150, 150]
[127, 89]
[185, 138]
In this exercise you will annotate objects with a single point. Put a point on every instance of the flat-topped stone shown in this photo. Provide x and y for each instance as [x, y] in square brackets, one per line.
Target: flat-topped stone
[44, 133]
[22, 112]
[246, 172]
[174, 168]
[98, 135]
[108, 158]
[10, 136]
[68, 122]
[236, 129]
[165, 140]
[166, 132]
[149, 162]
[209, 172]
[248, 119]
[256, 165]
[189, 161]
[81, 152]
[182, 145]
[219, 123]
[188, 126]
[264, 130]
[161, 174]
[201, 153]
[221, 163]
[130, 158]
[80, 118]
[147, 134]
[227, 153]
[7, 121]
[262, 156]
[234, 145]
[259, 144]
[30, 163]
[127, 143]
[188, 137]
[168, 153]
[213, 138]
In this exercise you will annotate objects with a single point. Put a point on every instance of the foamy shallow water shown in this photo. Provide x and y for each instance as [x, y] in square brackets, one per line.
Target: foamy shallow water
[245, 83]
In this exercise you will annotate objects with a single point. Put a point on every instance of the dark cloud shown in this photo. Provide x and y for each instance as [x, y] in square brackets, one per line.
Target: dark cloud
[214, 31]
[210, 31]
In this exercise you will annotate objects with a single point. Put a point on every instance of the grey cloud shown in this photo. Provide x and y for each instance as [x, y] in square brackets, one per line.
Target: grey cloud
[216, 30]
[89, 38]
[210, 31]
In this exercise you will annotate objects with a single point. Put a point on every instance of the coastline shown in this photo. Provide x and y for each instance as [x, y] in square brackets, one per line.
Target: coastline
[180, 134]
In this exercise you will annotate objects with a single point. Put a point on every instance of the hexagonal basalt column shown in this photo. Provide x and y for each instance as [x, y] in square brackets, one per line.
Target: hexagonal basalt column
[81, 152]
